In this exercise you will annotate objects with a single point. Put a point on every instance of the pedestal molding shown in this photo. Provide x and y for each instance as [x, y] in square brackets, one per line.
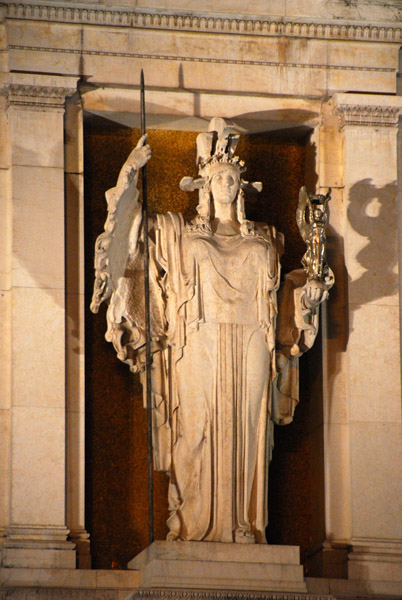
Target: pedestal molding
[225, 23]
[42, 533]
[176, 594]
[217, 566]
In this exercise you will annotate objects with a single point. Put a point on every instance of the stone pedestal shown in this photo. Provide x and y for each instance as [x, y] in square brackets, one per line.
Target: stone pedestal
[210, 565]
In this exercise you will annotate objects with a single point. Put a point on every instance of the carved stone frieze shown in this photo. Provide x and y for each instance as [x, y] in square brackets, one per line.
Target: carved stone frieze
[173, 594]
[70, 13]
[369, 116]
[201, 59]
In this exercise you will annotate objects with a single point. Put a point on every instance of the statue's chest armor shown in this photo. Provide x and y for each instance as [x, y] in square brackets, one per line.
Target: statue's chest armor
[229, 271]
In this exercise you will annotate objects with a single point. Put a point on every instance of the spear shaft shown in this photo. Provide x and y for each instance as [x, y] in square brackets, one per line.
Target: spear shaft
[148, 358]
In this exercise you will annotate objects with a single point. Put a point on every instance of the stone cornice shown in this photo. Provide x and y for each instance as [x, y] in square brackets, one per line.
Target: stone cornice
[369, 115]
[38, 92]
[77, 13]
[37, 97]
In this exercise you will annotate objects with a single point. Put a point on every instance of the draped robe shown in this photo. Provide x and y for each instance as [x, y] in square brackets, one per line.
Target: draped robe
[217, 381]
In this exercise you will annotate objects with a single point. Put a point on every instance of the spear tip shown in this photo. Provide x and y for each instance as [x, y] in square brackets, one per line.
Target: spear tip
[143, 127]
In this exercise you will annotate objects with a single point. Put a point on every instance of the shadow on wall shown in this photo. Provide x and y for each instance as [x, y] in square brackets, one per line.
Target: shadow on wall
[372, 213]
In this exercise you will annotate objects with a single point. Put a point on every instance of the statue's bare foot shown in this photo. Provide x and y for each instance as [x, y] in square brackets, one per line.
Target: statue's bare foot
[244, 536]
[172, 536]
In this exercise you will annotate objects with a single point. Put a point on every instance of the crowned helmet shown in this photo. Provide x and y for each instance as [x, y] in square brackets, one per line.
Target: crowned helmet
[216, 151]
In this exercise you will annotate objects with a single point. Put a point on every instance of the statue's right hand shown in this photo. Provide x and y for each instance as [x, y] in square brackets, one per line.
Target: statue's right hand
[140, 155]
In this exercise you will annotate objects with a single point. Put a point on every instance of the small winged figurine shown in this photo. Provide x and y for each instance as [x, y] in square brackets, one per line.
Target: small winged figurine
[312, 218]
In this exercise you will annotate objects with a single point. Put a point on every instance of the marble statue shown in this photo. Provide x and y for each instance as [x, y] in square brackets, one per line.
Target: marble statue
[225, 341]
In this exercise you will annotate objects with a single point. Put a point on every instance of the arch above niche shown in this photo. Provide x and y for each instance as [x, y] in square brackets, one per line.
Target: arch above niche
[186, 110]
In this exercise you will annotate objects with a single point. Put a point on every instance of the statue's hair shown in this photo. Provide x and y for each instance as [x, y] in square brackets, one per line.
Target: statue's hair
[202, 221]
[247, 228]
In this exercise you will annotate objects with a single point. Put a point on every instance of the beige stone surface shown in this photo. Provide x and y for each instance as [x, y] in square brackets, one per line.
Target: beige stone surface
[4, 135]
[334, 9]
[343, 588]
[375, 570]
[68, 578]
[38, 323]
[44, 61]
[27, 127]
[73, 141]
[38, 434]
[337, 482]
[5, 230]
[295, 64]
[376, 460]
[374, 389]
[5, 349]
[38, 227]
[75, 350]
[5, 430]
[360, 80]
[117, 579]
[38, 558]
[75, 472]
[360, 54]
[181, 109]
[74, 215]
[75, 354]
[218, 552]
[45, 35]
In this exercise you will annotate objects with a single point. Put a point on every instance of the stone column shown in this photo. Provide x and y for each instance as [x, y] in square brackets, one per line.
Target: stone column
[75, 328]
[33, 170]
[362, 408]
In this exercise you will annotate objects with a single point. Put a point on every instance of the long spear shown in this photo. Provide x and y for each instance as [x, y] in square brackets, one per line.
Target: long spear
[148, 359]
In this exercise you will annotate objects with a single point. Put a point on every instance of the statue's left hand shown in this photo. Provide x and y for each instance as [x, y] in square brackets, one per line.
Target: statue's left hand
[315, 293]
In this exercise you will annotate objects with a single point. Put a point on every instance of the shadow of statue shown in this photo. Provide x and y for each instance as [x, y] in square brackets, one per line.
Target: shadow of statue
[372, 213]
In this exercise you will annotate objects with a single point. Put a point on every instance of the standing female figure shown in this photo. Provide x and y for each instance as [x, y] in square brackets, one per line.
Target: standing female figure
[224, 363]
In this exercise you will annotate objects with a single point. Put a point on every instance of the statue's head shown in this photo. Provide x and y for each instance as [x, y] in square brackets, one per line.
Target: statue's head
[225, 184]
[318, 213]
[220, 171]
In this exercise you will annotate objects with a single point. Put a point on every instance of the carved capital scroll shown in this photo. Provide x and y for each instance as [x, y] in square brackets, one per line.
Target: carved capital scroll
[38, 92]
[368, 116]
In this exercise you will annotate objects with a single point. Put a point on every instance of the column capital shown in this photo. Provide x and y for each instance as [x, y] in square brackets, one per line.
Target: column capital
[367, 110]
[37, 91]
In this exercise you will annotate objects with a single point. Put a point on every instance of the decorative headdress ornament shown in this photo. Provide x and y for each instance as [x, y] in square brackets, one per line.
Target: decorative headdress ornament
[216, 151]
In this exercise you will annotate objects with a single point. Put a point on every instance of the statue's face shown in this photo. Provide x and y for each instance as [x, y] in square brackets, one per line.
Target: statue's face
[224, 187]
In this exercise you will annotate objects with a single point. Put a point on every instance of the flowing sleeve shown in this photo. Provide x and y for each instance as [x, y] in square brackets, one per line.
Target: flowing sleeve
[119, 277]
[296, 330]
